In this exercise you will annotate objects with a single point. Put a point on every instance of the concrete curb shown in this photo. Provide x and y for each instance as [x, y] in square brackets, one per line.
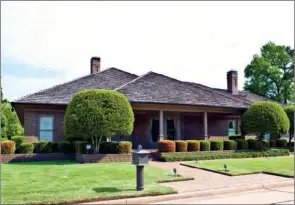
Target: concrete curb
[201, 193]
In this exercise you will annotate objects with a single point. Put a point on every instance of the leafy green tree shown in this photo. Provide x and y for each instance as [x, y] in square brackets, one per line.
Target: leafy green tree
[265, 117]
[98, 115]
[3, 126]
[271, 74]
[290, 113]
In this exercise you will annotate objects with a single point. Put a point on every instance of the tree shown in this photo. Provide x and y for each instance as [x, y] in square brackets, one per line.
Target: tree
[265, 117]
[271, 74]
[3, 125]
[98, 115]
[290, 113]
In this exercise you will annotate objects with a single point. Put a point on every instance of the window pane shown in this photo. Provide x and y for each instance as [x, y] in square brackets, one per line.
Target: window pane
[46, 135]
[46, 123]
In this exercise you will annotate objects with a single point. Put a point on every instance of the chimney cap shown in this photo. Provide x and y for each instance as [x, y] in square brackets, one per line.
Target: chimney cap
[232, 71]
[95, 58]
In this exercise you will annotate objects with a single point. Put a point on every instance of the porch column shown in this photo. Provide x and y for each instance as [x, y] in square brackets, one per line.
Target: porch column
[205, 125]
[161, 121]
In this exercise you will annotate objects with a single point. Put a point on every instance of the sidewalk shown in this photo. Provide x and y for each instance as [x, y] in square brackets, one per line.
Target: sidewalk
[205, 180]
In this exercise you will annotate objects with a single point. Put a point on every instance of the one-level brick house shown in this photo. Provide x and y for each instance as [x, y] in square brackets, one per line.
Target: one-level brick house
[164, 108]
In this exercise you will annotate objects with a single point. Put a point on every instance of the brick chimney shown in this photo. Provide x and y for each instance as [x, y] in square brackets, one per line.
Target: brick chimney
[94, 65]
[232, 82]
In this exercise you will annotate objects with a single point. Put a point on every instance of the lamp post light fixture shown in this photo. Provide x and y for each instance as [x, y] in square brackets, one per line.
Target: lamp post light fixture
[88, 147]
[225, 167]
[175, 171]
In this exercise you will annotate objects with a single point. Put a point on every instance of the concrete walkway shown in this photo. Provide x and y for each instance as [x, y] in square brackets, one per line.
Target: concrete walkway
[205, 180]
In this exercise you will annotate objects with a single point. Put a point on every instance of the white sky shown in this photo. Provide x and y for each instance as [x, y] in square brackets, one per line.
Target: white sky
[193, 41]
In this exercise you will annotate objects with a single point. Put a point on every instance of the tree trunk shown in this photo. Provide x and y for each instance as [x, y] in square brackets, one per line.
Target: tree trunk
[290, 138]
[99, 141]
[260, 138]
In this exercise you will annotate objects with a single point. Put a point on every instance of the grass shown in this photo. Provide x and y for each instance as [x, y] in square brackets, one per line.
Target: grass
[67, 181]
[277, 165]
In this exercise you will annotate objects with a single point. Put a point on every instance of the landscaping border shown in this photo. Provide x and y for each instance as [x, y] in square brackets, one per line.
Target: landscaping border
[175, 180]
[6, 158]
[234, 175]
[94, 158]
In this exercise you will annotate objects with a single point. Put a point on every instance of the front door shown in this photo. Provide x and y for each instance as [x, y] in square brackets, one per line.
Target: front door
[171, 131]
[231, 128]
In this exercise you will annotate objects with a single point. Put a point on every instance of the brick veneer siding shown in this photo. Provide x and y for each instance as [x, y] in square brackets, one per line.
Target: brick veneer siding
[6, 158]
[94, 158]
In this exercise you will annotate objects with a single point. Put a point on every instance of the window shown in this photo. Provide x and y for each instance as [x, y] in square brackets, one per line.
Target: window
[46, 128]
[231, 125]
[155, 130]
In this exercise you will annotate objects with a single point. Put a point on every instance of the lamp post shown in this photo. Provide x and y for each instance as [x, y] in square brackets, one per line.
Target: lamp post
[88, 147]
[140, 159]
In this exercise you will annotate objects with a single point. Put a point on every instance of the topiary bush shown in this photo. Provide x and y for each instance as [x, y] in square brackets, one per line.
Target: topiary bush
[54, 147]
[80, 147]
[166, 146]
[289, 110]
[42, 147]
[216, 145]
[181, 146]
[3, 139]
[235, 137]
[205, 145]
[98, 114]
[265, 117]
[242, 144]
[18, 141]
[26, 148]
[7, 147]
[281, 143]
[254, 144]
[265, 144]
[229, 145]
[272, 143]
[65, 147]
[193, 145]
[124, 147]
[109, 148]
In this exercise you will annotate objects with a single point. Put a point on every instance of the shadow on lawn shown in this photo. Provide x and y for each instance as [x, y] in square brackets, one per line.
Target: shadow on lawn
[44, 163]
[110, 190]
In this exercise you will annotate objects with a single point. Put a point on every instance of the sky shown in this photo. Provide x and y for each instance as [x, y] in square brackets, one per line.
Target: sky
[48, 43]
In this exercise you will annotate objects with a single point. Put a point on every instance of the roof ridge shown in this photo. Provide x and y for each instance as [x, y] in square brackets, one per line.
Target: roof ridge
[132, 81]
[78, 78]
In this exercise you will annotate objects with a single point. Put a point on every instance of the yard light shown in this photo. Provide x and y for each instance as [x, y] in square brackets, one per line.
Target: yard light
[175, 171]
[225, 167]
[88, 147]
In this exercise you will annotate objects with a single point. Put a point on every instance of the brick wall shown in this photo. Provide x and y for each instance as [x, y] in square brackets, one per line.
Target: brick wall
[94, 158]
[6, 158]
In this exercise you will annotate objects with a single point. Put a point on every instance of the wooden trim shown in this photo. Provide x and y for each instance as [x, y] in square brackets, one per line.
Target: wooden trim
[182, 108]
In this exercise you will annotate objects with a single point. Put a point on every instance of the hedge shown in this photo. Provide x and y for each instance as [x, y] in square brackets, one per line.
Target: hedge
[26, 148]
[125, 147]
[4, 138]
[193, 145]
[54, 147]
[216, 145]
[281, 143]
[109, 147]
[18, 141]
[272, 143]
[253, 144]
[204, 145]
[236, 137]
[7, 147]
[269, 153]
[229, 145]
[80, 147]
[242, 144]
[65, 147]
[42, 147]
[181, 146]
[166, 146]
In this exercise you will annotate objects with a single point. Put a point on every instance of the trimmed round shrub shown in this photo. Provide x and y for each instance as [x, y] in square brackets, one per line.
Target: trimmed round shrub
[109, 148]
[272, 143]
[124, 147]
[65, 147]
[265, 117]
[80, 147]
[7, 147]
[289, 110]
[253, 144]
[216, 145]
[265, 144]
[181, 146]
[96, 113]
[3, 126]
[290, 144]
[26, 148]
[281, 143]
[42, 147]
[18, 141]
[193, 145]
[166, 146]
[229, 145]
[54, 147]
[205, 145]
[242, 144]
[235, 137]
[4, 139]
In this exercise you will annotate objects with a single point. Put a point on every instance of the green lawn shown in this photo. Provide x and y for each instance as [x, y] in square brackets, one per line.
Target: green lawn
[54, 182]
[279, 165]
